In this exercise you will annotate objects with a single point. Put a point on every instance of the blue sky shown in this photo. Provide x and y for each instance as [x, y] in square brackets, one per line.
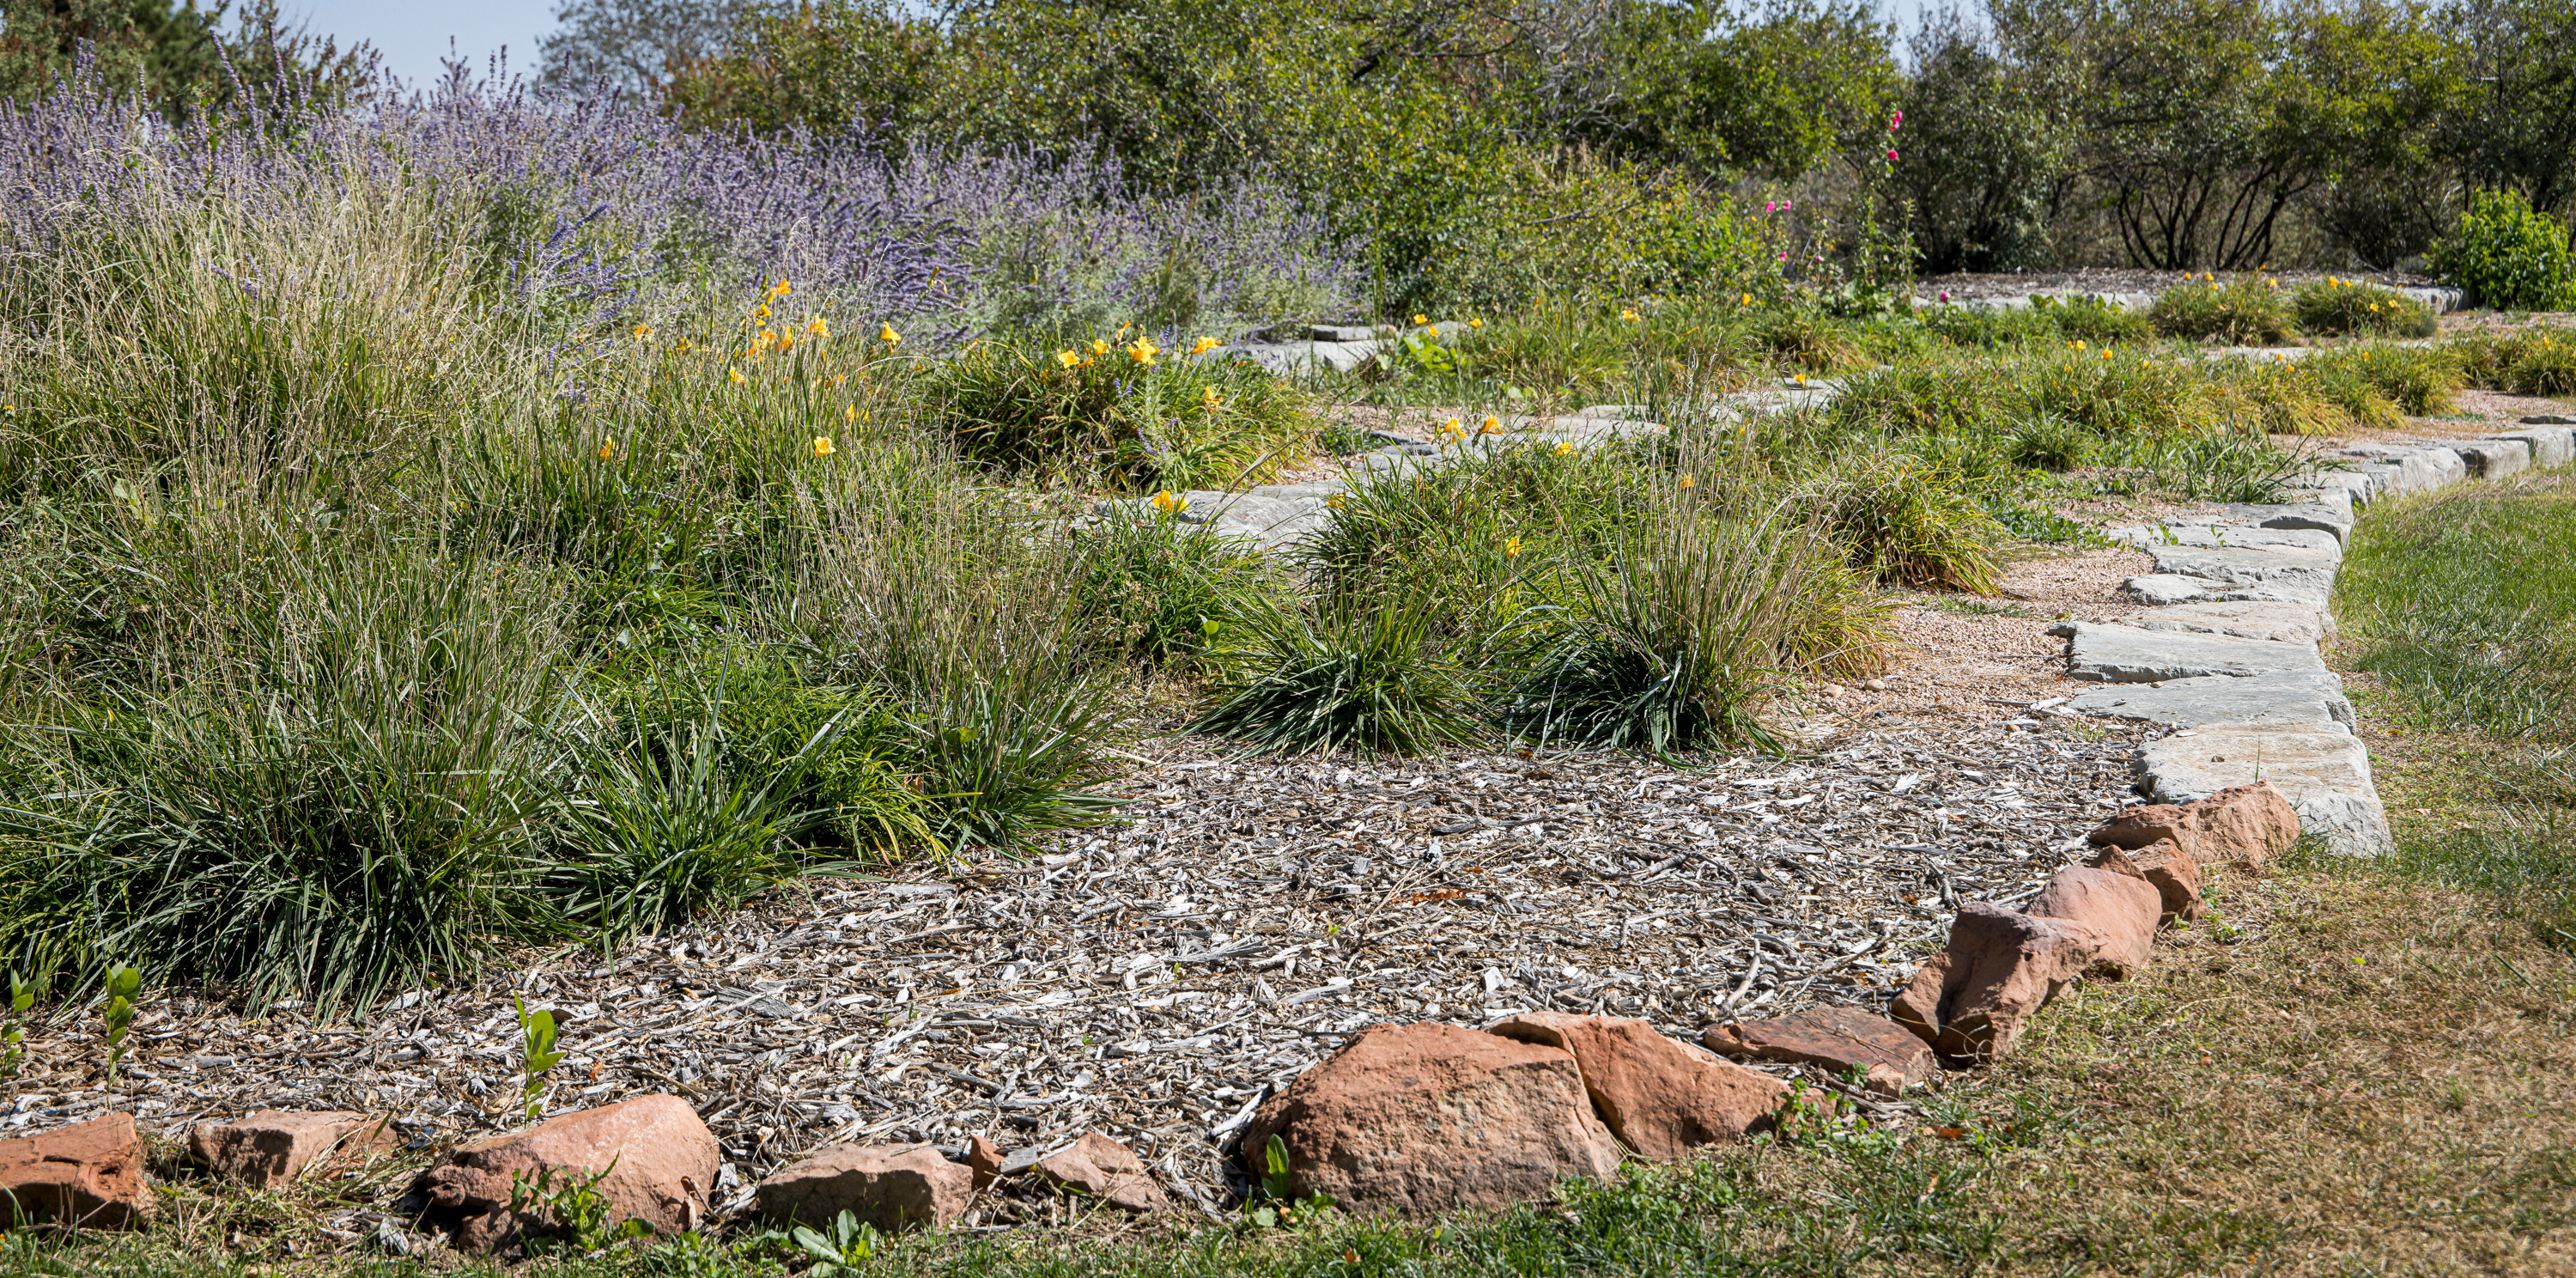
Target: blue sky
[414, 34]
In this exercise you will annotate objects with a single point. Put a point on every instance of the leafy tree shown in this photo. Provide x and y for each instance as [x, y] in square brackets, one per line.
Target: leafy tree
[2514, 126]
[1990, 151]
[176, 55]
[638, 46]
[1772, 93]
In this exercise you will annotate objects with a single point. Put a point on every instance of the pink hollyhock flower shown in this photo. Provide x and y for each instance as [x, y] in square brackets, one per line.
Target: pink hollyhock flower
[1770, 206]
[1891, 154]
[1786, 205]
[1896, 119]
[1945, 295]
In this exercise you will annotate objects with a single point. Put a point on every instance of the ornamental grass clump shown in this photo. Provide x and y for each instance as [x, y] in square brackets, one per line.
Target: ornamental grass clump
[1683, 627]
[1120, 409]
[2338, 307]
[1368, 675]
[2246, 311]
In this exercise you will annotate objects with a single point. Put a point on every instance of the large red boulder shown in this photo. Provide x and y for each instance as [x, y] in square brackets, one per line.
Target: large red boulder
[1837, 1039]
[1660, 1097]
[2111, 897]
[654, 1158]
[889, 1186]
[269, 1149]
[88, 1174]
[1972, 1000]
[1421, 1119]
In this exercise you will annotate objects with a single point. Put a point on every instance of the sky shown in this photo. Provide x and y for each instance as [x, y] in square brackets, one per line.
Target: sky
[414, 34]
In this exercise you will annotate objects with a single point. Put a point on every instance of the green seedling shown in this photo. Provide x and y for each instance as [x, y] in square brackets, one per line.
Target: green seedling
[21, 1001]
[537, 1042]
[838, 1253]
[123, 983]
[1278, 1205]
[575, 1211]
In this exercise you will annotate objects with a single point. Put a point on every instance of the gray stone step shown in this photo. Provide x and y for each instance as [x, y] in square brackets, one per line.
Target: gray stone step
[2333, 515]
[2244, 619]
[2324, 771]
[2552, 442]
[2266, 566]
[2300, 698]
[2494, 458]
[2218, 535]
[2165, 589]
[2126, 654]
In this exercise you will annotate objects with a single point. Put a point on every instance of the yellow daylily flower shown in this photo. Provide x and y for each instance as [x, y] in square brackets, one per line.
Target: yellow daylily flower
[849, 412]
[780, 290]
[1421, 319]
[643, 332]
[1208, 396]
[1099, 347]
[1170, 503]
[1204, 345]
[1475, 323]
[1628, 313]
[1687, 482]
[736, 375]
[1143, 350]
[1565, 450]
[822, 445]
[887, 335]
[820, 327]
[1511, 548]
[607, 449]
[1067, 358]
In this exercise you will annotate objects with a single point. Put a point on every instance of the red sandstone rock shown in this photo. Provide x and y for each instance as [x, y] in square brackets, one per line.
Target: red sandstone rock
[1971, 999]
[1106, 1170]
[1421, 1119]
[984, 1158]
[1660, 1097]
[2175, 875]
[889, 1186]
[2243, 825]
[1840, 1039]
[2146, 825]
[659, 1162]
[269, 1149]
[2114, 899]
[88, 1174]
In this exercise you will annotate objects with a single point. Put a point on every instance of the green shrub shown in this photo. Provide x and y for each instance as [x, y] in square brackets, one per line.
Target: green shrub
[2507, 255]
[1120, 409]
[2335, 307]
[2247, 311]
[1359, 674]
